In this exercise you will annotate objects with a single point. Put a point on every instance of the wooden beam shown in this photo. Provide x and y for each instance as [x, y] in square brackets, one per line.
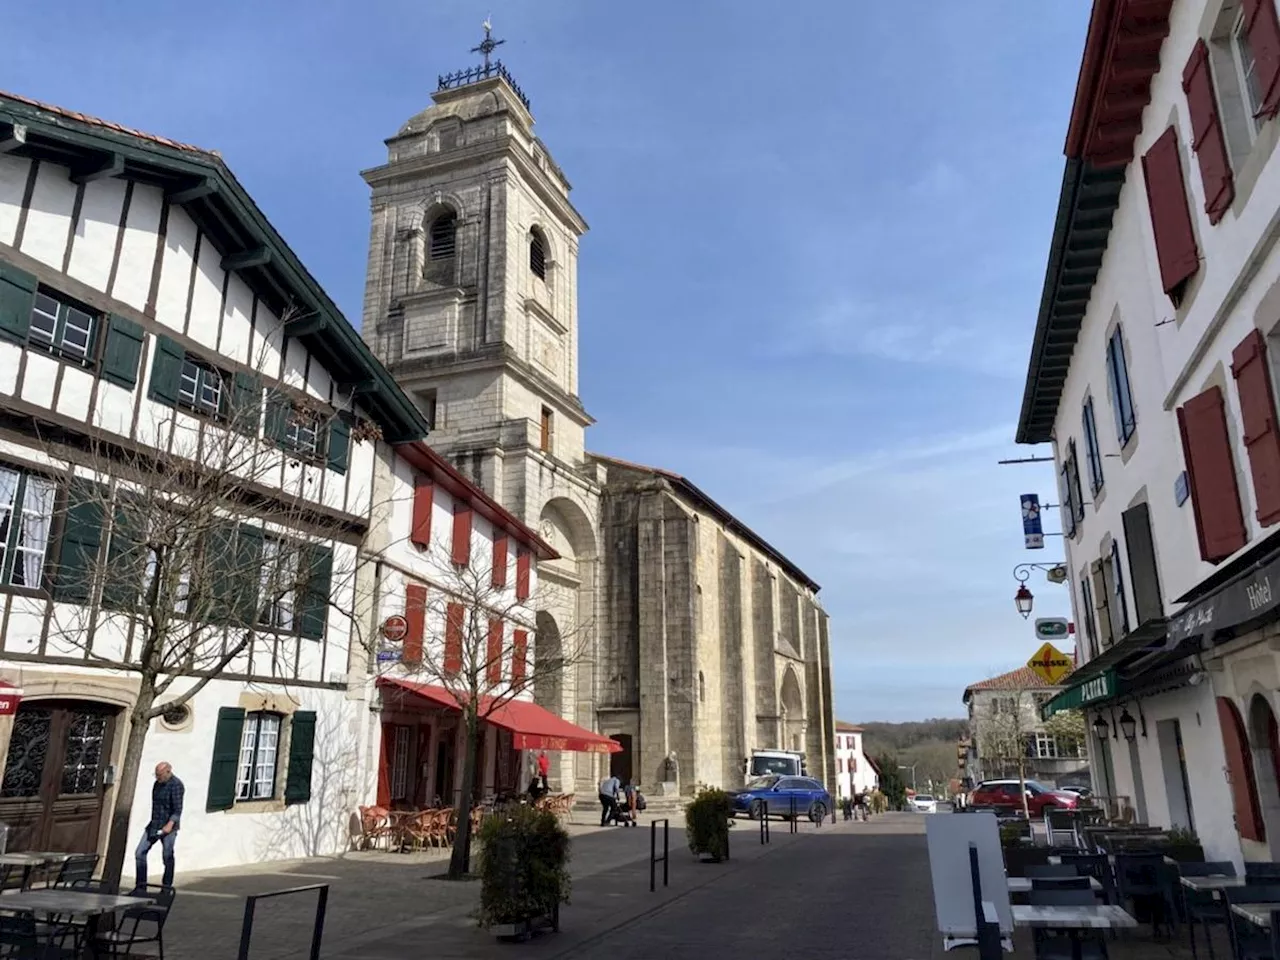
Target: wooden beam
[108, 167]
[360, 389]
[192, 191]
[256, 257]
[311, 323]
[15, 138]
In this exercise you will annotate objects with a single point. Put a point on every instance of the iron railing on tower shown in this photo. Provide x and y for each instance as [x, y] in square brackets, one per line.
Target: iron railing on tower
[462, 78]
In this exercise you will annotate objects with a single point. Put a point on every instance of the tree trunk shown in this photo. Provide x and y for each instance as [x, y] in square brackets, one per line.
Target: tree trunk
[1022, 784]
[126, 786]
[460, 861]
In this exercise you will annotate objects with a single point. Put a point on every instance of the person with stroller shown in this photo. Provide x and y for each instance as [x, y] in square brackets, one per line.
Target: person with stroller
[846, 806]
[862, 806]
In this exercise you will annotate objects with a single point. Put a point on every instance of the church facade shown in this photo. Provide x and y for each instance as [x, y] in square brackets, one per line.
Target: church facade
[471, 303]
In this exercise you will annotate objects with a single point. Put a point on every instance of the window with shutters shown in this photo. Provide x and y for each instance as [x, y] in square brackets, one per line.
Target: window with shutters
[443, 236]
[1126, 417]
[538, 253]
[1252, 372]
[1144, 574]
[1072, 495]
[201, 387]
[427, 402]
[1086, 614]
[303, 433]
[279, 584]
[1093, 455]
[1177, 250]
[1211, 475]
[259, 757]
[63, 328]
[1101, 594]
[1247, 74]
[26, 519]
[1113, 571]
[181, 589]
[546, 428]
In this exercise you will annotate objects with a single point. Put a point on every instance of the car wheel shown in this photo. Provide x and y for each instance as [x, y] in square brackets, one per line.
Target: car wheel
[756, 810]
[818, 812]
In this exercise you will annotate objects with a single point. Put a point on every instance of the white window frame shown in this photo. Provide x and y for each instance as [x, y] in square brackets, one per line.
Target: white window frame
[29, 500]
[259, 763]
[65, 317]
[200, 386]
[302, 433]
[1246, 74]
[278, 612]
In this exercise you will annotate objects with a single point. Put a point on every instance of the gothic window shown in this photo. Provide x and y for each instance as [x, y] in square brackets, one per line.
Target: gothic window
[538, 253]
[443, 236]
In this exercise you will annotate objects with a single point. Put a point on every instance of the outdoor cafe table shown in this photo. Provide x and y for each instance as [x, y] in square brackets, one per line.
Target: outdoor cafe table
[1072, 919]
[77, 903]
[1203, 884]
[1026, 884]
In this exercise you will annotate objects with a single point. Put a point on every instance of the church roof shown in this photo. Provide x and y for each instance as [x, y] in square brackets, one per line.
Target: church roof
[201, 182]
[688, 489]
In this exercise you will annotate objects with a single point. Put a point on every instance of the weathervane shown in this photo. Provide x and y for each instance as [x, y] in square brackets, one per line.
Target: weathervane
[488, 44]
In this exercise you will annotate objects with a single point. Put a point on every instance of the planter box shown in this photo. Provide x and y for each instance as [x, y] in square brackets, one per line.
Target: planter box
[526, 928]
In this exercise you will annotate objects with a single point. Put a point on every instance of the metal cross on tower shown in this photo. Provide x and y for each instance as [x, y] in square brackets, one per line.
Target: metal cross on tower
[488, 44]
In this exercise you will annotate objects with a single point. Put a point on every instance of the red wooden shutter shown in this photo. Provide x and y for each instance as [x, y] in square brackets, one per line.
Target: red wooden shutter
[522, 574]
[423, 499]
[453, 638]
[415, 614]
[493, 655]
[1264, 43]
[519, 655]
[1206, 134]
[499, 559]
[384, 764]
[1170, 217]
[462, 534]
[1258, 413]
[1244, 786]
[1215, 497]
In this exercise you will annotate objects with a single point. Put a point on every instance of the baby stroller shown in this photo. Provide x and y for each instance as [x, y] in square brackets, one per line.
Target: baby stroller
[624, 817]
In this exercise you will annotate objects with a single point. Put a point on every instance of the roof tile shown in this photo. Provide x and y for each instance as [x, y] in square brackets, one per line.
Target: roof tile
[1024, 678]
[99, 122]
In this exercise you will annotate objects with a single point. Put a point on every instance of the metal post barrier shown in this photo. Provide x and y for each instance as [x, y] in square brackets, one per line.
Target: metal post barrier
[795, 824]
[317, 930]
[764, 824]
[727, 824]
[653, 853]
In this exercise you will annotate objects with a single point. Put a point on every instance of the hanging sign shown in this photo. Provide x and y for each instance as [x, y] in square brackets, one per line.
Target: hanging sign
[395, 628]
[1052, 628]
[1032, 531]
[1050, 664]
[10, 697]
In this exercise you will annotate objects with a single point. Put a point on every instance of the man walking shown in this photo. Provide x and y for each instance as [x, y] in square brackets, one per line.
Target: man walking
[166, 814]
[609, 788]
[544, 767]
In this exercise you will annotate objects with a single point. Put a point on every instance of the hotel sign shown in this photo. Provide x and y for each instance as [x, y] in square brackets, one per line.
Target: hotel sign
[1252, 596]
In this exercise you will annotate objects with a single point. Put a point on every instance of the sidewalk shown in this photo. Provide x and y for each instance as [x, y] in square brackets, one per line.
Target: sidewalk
[385, 906]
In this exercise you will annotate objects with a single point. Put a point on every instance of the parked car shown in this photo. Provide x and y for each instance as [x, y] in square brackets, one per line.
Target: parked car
[781, 795]
[1082, 792]
[923, 803]
[1003, 794]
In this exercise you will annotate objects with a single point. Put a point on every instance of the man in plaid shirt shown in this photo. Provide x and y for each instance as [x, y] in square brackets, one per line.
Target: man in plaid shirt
[166, 814]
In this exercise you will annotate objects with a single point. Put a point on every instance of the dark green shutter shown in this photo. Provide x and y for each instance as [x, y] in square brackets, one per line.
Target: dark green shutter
[123, 352]
[81, 540]
[248, 578]
[246, 405]
[316, 565]
[278, 411]
[338, 449]
[226, 759]
[17, 297]
[302, 742]
[126, 561]
[166, 371]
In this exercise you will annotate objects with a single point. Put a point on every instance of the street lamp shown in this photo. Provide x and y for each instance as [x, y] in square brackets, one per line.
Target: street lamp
[1128, 725]
[1101, 727]
[1024, 599]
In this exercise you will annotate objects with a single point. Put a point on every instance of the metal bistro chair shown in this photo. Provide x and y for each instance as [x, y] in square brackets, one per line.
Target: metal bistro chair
[76, 869]
[1247, 941]
[1149, 882]
[1062, 883]
[1052, 870]
[139, 926]
[1095, 865]
[1051, 946]
[1202, 906]
[21, 938]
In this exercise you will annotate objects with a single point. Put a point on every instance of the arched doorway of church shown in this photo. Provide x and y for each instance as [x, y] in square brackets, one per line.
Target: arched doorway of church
[1264, 737]
[792, 703]
[548, 657]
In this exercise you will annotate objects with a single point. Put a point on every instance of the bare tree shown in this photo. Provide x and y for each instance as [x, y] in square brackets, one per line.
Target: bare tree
[1004, 737]
[201, 551]
[487, 657]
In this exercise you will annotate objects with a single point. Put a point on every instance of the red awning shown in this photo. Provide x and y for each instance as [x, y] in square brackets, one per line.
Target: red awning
[532, 727]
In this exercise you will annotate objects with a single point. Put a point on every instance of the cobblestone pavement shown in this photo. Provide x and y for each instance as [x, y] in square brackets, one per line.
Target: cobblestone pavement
[849, 891]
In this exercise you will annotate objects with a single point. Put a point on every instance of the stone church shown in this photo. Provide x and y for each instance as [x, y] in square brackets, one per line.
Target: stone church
[699, 642]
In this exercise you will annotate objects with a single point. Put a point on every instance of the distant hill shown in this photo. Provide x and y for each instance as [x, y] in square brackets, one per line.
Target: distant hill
[929, 744]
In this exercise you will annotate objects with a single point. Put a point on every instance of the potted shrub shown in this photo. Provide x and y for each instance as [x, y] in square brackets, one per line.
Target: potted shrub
[707, 820]
[524, 874]
[1184, 846]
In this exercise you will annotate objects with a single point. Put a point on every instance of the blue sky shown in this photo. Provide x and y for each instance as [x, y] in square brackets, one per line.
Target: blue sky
[818, 237]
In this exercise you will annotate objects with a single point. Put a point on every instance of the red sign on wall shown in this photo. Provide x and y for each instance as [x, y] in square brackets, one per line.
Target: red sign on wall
[10, 697]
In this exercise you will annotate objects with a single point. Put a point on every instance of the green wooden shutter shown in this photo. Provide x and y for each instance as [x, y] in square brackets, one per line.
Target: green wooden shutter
[123, 352]
[278, 410]
[316, 563]
[81, 541]
[17, 297]
[126, 561]
[248, 576]
[302, 741]
[226, 759]
[338, 449]
[166, 371]
[246, 404]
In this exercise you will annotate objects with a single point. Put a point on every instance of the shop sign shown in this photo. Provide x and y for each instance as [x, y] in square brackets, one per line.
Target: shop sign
[1032, 528]
[10, 697]
[395, 628]
[1050, 664]
[1099, 688]
[1052, 628]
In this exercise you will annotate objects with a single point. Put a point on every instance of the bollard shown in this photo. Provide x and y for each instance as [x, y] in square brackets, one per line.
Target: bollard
[764, 825]
[653, 853]
[795, 823]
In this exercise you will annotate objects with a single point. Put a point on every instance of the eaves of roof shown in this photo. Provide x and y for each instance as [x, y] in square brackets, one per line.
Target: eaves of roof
[205, 187]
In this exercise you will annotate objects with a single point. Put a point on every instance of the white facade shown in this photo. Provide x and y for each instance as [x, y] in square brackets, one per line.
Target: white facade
[854, 774]
[186, 342]
[1178, 349]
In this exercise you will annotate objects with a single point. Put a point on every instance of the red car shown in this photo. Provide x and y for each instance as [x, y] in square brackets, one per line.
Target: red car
[1004, 793]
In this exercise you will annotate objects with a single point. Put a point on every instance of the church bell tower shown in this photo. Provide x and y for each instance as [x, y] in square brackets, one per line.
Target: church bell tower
[471, 303]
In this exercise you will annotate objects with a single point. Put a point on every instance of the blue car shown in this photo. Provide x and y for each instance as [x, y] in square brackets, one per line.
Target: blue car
[781, 795]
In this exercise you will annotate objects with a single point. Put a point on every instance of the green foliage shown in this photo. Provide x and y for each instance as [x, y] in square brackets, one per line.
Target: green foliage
[523, 866]
[1182, 837]
[879, 802]
[1011, 835]
[891, 783]
[928, 744]
[707, 821]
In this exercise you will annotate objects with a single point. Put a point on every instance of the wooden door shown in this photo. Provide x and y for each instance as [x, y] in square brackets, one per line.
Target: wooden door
[620, 763]
[53, 791]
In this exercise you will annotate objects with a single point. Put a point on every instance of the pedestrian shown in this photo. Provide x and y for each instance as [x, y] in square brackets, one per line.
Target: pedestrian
[544, 768]
[166, 815]
[609, 788]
